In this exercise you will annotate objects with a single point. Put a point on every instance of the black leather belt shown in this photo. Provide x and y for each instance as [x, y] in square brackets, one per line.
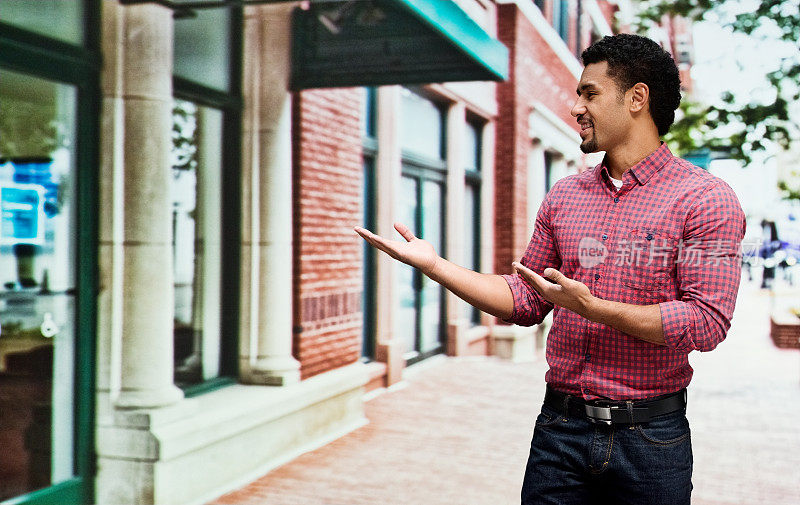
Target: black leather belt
[614, 411]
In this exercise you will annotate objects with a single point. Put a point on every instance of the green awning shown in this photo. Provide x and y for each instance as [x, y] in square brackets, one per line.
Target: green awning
[379, 42]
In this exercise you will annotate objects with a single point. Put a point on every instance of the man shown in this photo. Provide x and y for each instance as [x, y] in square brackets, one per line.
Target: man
[639, 260]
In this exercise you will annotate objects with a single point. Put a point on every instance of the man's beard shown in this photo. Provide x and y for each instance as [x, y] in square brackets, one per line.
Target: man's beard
[590, 145]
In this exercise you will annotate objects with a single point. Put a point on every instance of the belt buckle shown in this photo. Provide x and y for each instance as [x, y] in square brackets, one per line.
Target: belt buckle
[600, 415]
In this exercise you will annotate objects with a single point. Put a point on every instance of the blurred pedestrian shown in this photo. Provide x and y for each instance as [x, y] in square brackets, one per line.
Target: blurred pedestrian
[639, 260]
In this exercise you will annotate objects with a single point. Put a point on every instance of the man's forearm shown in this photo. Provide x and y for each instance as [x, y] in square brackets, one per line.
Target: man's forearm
[640, 321]
[488, 292]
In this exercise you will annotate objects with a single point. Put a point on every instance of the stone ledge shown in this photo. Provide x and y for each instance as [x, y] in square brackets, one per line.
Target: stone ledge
[191, 423]
[205, 446]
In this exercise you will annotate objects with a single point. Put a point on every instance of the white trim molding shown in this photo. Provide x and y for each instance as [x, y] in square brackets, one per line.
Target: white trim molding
[549, 33]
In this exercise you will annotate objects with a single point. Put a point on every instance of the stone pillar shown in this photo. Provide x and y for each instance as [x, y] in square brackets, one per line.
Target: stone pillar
[148, 304]
[389, 348]
[110, 294]
[273, 362]
[536, 182]
[457, 325]
[487, 206]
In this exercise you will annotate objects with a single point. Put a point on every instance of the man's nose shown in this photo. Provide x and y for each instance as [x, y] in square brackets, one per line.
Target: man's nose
[577, 108]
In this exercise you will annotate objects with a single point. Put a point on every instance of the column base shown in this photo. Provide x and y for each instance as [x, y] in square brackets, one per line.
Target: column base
[148, 398]
[515, 343]
[391, 353]
[273, 371]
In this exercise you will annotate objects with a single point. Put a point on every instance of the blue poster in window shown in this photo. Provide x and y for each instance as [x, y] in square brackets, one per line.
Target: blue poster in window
[22, 213]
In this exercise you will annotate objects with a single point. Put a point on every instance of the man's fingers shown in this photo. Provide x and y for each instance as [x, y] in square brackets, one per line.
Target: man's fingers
[554, 275]
[404, 231]
[372, 239]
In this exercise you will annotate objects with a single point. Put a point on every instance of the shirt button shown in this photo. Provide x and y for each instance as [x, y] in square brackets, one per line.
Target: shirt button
[587, 356]
[605, 237]
[649, 236]
[616, 199]
[596, 276]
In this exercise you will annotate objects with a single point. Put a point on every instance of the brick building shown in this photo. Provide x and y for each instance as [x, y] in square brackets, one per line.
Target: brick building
[184, 302]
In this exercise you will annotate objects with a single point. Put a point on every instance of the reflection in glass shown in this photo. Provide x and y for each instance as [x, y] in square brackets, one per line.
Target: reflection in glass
[405, 316]
[471, 242]
[202, 48]
[59, 19]
[431, 303]
[422, 126]
[197, 248]
[37, 281]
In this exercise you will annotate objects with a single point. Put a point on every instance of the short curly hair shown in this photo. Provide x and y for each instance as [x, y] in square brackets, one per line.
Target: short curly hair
[632, 59]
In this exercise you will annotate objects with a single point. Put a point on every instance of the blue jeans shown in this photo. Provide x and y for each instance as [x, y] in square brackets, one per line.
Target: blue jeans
[576, 462]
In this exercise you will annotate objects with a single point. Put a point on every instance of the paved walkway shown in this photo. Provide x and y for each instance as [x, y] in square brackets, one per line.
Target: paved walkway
[459, 431]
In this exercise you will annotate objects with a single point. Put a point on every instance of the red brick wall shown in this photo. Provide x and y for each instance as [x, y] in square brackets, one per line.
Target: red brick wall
[536, 74]
[328, 182]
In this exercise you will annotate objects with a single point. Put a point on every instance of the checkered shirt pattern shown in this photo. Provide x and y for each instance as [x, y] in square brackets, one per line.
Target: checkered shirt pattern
[670, 236]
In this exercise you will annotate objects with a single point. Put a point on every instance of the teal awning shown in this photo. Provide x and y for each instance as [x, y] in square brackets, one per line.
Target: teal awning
[378, 42]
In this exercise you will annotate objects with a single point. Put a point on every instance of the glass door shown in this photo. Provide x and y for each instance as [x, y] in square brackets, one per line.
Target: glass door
[38, 281]
[419, 315]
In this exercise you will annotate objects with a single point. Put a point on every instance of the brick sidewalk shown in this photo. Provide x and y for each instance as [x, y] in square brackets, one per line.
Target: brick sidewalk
[459, 432]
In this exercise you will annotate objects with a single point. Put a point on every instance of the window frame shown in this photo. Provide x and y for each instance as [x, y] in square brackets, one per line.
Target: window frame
[43, 57]
[230, 103]
[424, 168]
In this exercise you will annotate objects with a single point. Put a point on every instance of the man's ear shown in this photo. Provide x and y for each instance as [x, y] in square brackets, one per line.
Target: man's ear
[639, 97]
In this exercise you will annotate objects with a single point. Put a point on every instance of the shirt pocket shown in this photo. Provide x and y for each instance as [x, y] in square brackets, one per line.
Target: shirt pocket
[646, 258]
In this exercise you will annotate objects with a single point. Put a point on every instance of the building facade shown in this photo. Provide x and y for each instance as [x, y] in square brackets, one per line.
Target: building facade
[185, 305]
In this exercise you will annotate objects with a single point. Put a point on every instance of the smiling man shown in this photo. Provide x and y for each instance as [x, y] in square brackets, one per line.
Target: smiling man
[638, 258]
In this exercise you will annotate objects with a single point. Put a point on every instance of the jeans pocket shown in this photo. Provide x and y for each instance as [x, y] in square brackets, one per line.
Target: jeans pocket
[669, 429]
[546, 417]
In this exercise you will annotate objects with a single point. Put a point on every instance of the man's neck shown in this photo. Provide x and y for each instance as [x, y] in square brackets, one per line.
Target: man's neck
[620, 160]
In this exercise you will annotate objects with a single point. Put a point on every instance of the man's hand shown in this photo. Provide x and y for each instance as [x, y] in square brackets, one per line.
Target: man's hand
[559, 290]
[640, 321]
[414, 251]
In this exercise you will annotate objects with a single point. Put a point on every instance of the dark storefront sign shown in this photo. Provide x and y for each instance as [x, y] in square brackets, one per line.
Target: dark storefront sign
[379, 42]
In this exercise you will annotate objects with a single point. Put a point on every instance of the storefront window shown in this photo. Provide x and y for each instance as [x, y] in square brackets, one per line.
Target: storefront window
[38, 233]
[419, 313]
[59, 19]
[202, 48]
[197, 235]
[422, 126]
[472, 208]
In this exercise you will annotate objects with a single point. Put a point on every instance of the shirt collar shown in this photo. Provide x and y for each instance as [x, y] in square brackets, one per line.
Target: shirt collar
[649, 166]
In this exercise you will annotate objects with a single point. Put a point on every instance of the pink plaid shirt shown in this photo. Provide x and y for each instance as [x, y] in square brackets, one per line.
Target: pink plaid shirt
[672, 236]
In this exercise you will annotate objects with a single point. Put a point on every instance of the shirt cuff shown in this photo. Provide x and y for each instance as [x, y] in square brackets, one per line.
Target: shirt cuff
[675, 321]
[517, 285]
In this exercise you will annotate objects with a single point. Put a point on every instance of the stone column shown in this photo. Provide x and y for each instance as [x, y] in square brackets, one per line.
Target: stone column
[536, 182]
[148, 304]
[488, 143]
[389, 348]
[457, 325]
[273, 362]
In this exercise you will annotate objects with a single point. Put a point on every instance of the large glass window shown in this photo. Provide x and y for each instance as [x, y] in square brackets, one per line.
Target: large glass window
[58, 19]
[203, 48]
[419, 317]
[472, 206]
[369, 114]
[422, 126]
[38, 230]
[205, 196]
[197, 236]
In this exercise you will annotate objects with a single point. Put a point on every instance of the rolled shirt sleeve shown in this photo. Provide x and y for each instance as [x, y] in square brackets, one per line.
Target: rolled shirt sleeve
[708, 277]
[529, 306]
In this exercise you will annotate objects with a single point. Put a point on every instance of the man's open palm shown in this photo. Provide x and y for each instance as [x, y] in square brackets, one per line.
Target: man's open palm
[413, 251]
